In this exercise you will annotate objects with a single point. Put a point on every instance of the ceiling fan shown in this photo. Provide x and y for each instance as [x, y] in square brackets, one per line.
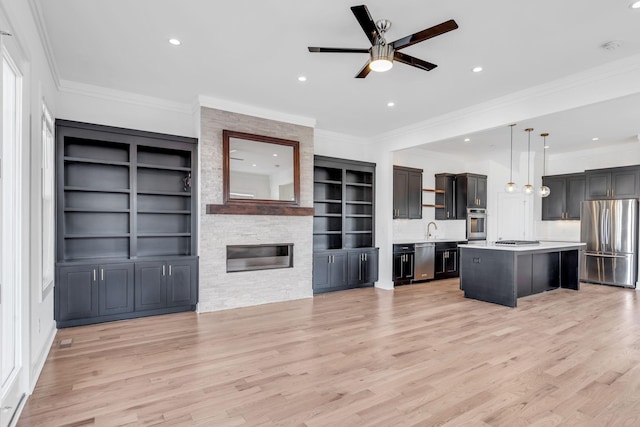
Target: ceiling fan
[382, 54]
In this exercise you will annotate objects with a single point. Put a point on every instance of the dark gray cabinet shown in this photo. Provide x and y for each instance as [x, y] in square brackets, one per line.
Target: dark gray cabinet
[151, 285]
[445, 196]
[362, 267]
[161, 284]
[343, 224]
[329, 271]
[90, 291]
[407, 193]
[613, 183]
[403, 267]
[122, 196]
[115, 289]
[471, 192]
[446, 260]
[77, 292]
[567, 193]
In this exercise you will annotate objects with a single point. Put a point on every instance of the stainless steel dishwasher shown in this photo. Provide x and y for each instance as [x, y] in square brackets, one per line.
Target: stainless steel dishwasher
[425, 261]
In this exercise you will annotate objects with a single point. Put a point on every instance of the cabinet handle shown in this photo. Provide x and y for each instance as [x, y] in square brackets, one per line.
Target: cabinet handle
[94, 274]
[365, 257]
[163, 269]
[169, 269]
[102, 274]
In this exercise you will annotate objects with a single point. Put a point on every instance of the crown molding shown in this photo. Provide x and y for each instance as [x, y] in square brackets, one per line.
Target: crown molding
[250, 110]
[562, 94]
[343, 138]
[38, 19]
[84, 89]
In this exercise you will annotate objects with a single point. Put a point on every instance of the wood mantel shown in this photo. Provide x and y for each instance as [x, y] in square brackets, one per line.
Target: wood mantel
[247, 209]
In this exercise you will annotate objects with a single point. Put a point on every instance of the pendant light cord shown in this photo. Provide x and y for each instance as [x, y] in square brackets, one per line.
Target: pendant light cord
[529, 159]
[511, 158]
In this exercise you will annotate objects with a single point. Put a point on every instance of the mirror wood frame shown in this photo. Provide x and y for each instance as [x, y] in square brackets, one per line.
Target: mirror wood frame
[226, 169]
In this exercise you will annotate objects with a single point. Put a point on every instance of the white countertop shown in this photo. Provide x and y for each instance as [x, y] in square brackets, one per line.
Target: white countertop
[409, 241]
[522, 248]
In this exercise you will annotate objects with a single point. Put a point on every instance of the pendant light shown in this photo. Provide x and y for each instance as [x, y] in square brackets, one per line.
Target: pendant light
[544, 191]
[511, 186]
[528, 188]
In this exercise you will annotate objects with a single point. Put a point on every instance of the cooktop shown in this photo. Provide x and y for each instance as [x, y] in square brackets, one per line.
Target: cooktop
[518, 242]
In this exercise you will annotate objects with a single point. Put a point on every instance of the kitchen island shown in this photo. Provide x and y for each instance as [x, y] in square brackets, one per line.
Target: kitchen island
[503, 273]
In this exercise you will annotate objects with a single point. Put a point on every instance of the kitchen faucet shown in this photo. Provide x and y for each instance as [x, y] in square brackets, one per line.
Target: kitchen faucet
[429, 230]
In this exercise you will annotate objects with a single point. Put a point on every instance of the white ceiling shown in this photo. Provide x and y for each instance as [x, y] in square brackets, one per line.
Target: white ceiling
[612, 123]
[252, 52]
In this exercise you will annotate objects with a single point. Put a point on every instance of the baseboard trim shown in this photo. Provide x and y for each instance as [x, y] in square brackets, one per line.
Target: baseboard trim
[37, 370]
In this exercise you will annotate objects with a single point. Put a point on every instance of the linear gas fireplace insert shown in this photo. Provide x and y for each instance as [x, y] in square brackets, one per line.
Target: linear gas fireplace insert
[259, 257]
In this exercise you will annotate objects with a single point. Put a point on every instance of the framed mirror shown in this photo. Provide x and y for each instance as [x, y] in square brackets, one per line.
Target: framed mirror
[260, 169]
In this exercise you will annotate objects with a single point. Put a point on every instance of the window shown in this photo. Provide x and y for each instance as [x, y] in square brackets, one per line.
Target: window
[47, 199]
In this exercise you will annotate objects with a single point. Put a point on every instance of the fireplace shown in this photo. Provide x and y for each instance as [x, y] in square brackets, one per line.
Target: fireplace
[259, 257]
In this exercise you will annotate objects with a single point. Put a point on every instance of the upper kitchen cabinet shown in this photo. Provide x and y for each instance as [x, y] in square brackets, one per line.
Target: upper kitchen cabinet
[613, 183]
[445, 196]
[471, 192]
[567, 193]
[407, 193]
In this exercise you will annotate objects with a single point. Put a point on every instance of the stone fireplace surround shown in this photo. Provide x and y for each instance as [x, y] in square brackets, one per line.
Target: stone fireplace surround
[219, 290]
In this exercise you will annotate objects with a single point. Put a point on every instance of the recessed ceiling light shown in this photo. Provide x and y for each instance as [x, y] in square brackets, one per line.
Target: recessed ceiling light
[546, 147]
[635, 5]
[391, 104]
[302, 79]
[175, 42]
[275, 155]
[467, 139]
[595, 139]
[477, 69]
[254, 165]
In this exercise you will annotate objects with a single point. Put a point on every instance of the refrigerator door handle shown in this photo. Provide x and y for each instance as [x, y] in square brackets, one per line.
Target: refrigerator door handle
[605, 256]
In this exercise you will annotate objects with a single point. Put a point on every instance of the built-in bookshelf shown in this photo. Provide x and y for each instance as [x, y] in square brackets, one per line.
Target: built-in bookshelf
[125, 204]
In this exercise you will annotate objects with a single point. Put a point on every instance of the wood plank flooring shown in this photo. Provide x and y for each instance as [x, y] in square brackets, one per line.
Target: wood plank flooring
[421, 355]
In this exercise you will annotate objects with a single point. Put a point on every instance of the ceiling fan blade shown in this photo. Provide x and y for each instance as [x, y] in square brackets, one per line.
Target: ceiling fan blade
[423, 35]
[414, 62]
[337, 50]
[365, 21]
[364, 72]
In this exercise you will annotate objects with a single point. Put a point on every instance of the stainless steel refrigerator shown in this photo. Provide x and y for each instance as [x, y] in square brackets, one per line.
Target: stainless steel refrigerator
[610, 230]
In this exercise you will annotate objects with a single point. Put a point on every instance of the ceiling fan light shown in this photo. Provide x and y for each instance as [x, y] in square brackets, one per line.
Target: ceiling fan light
[381, 58]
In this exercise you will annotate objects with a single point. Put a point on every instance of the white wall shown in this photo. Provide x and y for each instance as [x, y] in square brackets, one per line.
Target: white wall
[38, 326]
[92, 104]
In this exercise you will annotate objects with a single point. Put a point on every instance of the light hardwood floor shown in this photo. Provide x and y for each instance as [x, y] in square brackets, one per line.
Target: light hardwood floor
[420, 355]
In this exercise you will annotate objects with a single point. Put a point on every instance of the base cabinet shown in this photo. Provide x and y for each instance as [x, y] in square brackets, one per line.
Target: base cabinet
[403, 264]
[78, 292]
[329, 271]
[93, 293]
[161, 284]
[88, 291]
[344, 269]
[446, 262]
[362, 267]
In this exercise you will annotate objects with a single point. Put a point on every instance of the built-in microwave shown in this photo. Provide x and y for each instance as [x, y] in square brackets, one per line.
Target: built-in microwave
[476, 224]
